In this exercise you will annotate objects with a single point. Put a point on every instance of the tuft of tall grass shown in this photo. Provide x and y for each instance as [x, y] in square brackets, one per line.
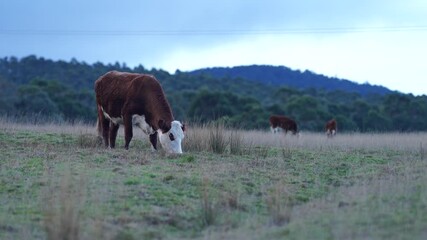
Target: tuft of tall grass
[62, 212]
[195, 139]
[208, 209]
[236, 143]
[86, 140]
[217, 140]
[286, 153]
[214, 137]
[278, 206]
[230, 199]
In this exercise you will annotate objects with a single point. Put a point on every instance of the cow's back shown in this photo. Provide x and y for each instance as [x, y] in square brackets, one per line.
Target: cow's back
[113, 86]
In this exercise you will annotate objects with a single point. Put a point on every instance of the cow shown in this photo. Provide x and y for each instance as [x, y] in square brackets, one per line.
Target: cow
[134, 99]
[331, 128]
[283, 122]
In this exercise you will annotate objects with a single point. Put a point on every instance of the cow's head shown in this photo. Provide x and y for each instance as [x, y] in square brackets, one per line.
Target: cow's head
[171, 136]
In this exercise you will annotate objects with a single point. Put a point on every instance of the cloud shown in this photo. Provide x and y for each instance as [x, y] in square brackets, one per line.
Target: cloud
[362, 57]
[317, 35]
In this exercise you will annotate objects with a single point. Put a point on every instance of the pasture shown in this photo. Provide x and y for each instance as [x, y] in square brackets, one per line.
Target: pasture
[57, 183]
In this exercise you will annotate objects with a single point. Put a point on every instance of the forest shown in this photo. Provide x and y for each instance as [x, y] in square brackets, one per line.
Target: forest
[37, 88]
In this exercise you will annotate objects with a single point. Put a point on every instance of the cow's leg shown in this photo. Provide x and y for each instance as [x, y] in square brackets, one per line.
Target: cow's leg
[153, 140]
[272, 129]
[127, 121]
[113, 134]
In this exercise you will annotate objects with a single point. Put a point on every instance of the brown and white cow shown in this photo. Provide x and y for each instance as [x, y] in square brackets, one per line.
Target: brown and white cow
[137, 100]
[287, 124]
[331, 128]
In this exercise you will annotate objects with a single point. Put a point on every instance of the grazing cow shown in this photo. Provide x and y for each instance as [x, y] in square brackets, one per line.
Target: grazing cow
[283, 122]
[331, 128]
[136, 99]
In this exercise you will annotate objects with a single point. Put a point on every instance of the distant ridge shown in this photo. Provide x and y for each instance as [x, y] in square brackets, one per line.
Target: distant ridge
[284, 76]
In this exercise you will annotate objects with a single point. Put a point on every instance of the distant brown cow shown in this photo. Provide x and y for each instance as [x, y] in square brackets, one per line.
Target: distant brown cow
[331, 128]
[136, 99]
[287, 124]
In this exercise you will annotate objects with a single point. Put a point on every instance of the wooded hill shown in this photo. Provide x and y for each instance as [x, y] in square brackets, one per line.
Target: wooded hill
[61, 90]
[284, 76]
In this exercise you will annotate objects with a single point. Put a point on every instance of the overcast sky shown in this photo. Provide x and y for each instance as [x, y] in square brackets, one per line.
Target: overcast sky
[383, 42]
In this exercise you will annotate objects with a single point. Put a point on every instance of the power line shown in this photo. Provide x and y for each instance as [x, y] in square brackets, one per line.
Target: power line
[201, 32]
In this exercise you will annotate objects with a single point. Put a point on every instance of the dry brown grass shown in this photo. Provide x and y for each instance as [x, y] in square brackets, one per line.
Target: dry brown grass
[396, 141]
[249, 141]
[68, 128]
[197, 137]
[236, 142]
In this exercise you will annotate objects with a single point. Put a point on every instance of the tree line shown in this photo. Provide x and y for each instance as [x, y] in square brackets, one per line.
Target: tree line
[63, 91]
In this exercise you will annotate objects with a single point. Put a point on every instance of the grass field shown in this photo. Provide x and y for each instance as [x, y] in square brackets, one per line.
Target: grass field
[57, 183]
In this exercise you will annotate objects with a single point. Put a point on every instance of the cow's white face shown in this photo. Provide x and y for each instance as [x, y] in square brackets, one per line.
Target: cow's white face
[171, 140]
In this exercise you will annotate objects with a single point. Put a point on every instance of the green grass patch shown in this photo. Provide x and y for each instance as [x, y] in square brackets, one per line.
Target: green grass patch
[253, 192]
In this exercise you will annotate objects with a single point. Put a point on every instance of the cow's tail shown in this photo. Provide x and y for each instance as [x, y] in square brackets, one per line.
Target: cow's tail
[98, 127]
[99, 123]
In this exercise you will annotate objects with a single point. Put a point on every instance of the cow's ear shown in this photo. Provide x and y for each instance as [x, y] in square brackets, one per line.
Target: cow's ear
[163, 126]
[183, 127]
